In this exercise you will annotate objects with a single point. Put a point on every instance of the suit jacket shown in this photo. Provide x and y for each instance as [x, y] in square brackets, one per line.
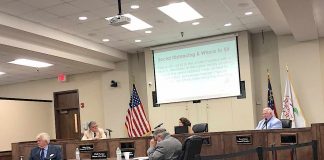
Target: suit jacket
[53, 153]
[273, 123]
[88, 135]
[170, 148]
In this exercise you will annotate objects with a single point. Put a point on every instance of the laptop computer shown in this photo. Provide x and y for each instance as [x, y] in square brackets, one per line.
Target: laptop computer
[180, 129]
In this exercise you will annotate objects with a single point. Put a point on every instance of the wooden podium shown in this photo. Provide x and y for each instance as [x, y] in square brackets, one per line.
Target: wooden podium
[214, 143]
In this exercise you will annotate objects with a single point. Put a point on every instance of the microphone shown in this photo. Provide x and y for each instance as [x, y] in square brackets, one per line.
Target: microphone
[158, 126]
[109, 132]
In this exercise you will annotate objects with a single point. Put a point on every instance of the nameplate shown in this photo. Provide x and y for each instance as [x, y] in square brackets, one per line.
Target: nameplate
[244, 139]
[288, 138]
[86, 148]
[99, 155]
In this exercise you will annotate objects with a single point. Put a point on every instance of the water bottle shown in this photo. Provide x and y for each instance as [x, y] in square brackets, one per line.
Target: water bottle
[118, 154]
[77, 154]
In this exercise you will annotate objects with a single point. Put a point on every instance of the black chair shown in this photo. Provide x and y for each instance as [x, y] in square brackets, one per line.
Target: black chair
[286, 123]
[200, 127]
[191, 148]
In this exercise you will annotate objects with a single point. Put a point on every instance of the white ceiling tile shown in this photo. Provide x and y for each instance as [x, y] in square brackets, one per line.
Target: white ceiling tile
[16, 8]
[88, 4]
[64, 9]
[252, 19]
[39, 16]
[42, 3]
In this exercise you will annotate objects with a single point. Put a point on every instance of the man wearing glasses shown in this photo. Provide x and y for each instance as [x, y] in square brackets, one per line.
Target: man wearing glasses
[93, 132]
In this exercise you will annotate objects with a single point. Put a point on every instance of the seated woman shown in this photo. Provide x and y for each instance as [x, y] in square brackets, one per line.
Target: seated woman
[185, 122]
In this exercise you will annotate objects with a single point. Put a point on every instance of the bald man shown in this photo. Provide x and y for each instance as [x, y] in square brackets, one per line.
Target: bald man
[269, 121]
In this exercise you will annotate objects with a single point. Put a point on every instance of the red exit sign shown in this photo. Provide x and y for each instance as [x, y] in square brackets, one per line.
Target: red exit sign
[61, 77]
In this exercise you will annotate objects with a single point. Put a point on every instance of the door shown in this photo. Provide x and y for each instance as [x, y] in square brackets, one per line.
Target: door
[67, 115]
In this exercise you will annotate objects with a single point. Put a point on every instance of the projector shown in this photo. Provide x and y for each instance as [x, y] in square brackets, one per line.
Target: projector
[119, 20]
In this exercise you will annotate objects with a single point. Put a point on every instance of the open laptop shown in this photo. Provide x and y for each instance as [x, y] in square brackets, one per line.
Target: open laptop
[180, 129]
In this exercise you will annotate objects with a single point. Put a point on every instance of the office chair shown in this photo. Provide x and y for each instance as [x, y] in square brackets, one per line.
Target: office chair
[200, 127]
[286, 123]
[191, 148]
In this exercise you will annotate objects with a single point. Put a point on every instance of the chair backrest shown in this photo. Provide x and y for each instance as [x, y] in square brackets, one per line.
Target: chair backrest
[191, 148]
[200, 127]
[286, 123]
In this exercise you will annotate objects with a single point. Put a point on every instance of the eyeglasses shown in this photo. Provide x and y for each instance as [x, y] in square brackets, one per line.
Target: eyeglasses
[94, 126]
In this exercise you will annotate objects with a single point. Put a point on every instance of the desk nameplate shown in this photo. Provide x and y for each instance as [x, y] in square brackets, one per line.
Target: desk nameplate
[99, 155]
[244, 139]
[86, 148]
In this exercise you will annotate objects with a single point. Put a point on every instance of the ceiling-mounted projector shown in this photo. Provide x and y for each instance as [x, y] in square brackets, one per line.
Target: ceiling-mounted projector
[119, 20]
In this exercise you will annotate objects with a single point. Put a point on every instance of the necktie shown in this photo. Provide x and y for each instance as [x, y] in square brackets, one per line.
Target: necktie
[42, 154]
[94, 134]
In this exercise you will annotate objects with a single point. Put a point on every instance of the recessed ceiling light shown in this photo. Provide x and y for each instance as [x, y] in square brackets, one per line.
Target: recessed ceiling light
[248, 13]
[195, 23]
[148, 31]
[31, 63]
[83, 18]
[138, 40]
[180, 12]
[105, 40]
[1, 73]
[227, 24]
[135, 24]
[134, 6]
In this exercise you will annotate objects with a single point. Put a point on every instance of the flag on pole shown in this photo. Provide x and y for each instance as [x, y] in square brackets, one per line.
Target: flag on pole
[136, 122]
[271, 103]
[291, 108]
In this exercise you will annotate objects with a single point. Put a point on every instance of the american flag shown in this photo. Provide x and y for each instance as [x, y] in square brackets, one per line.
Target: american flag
[136, 122]
[271, 103]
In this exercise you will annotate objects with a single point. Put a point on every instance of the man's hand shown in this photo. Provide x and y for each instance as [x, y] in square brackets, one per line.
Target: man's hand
[152, 143]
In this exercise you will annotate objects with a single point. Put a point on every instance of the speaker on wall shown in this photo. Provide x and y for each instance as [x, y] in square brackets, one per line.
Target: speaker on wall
[113, 83]
[154, 99]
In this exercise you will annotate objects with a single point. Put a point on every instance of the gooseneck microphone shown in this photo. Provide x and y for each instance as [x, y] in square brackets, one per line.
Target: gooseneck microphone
[158, 126]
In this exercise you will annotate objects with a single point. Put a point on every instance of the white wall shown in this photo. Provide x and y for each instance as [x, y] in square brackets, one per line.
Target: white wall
[223, 114]
[23, 120]
[88, 85]
[116, 100]
[266, 57]
[304, 63]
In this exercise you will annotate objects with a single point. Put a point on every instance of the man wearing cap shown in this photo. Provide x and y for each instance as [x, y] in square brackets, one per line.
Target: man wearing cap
[163, 146]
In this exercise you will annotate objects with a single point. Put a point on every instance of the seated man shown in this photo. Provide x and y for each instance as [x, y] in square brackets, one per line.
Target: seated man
[45, 151]
[163, 146]
[93, 132]
[269, 121]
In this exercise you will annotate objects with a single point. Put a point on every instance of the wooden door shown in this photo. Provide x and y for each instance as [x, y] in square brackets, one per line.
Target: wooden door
[67, 115]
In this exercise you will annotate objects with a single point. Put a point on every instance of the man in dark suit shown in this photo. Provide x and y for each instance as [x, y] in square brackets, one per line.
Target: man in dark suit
[163, 146]
[44, 151]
